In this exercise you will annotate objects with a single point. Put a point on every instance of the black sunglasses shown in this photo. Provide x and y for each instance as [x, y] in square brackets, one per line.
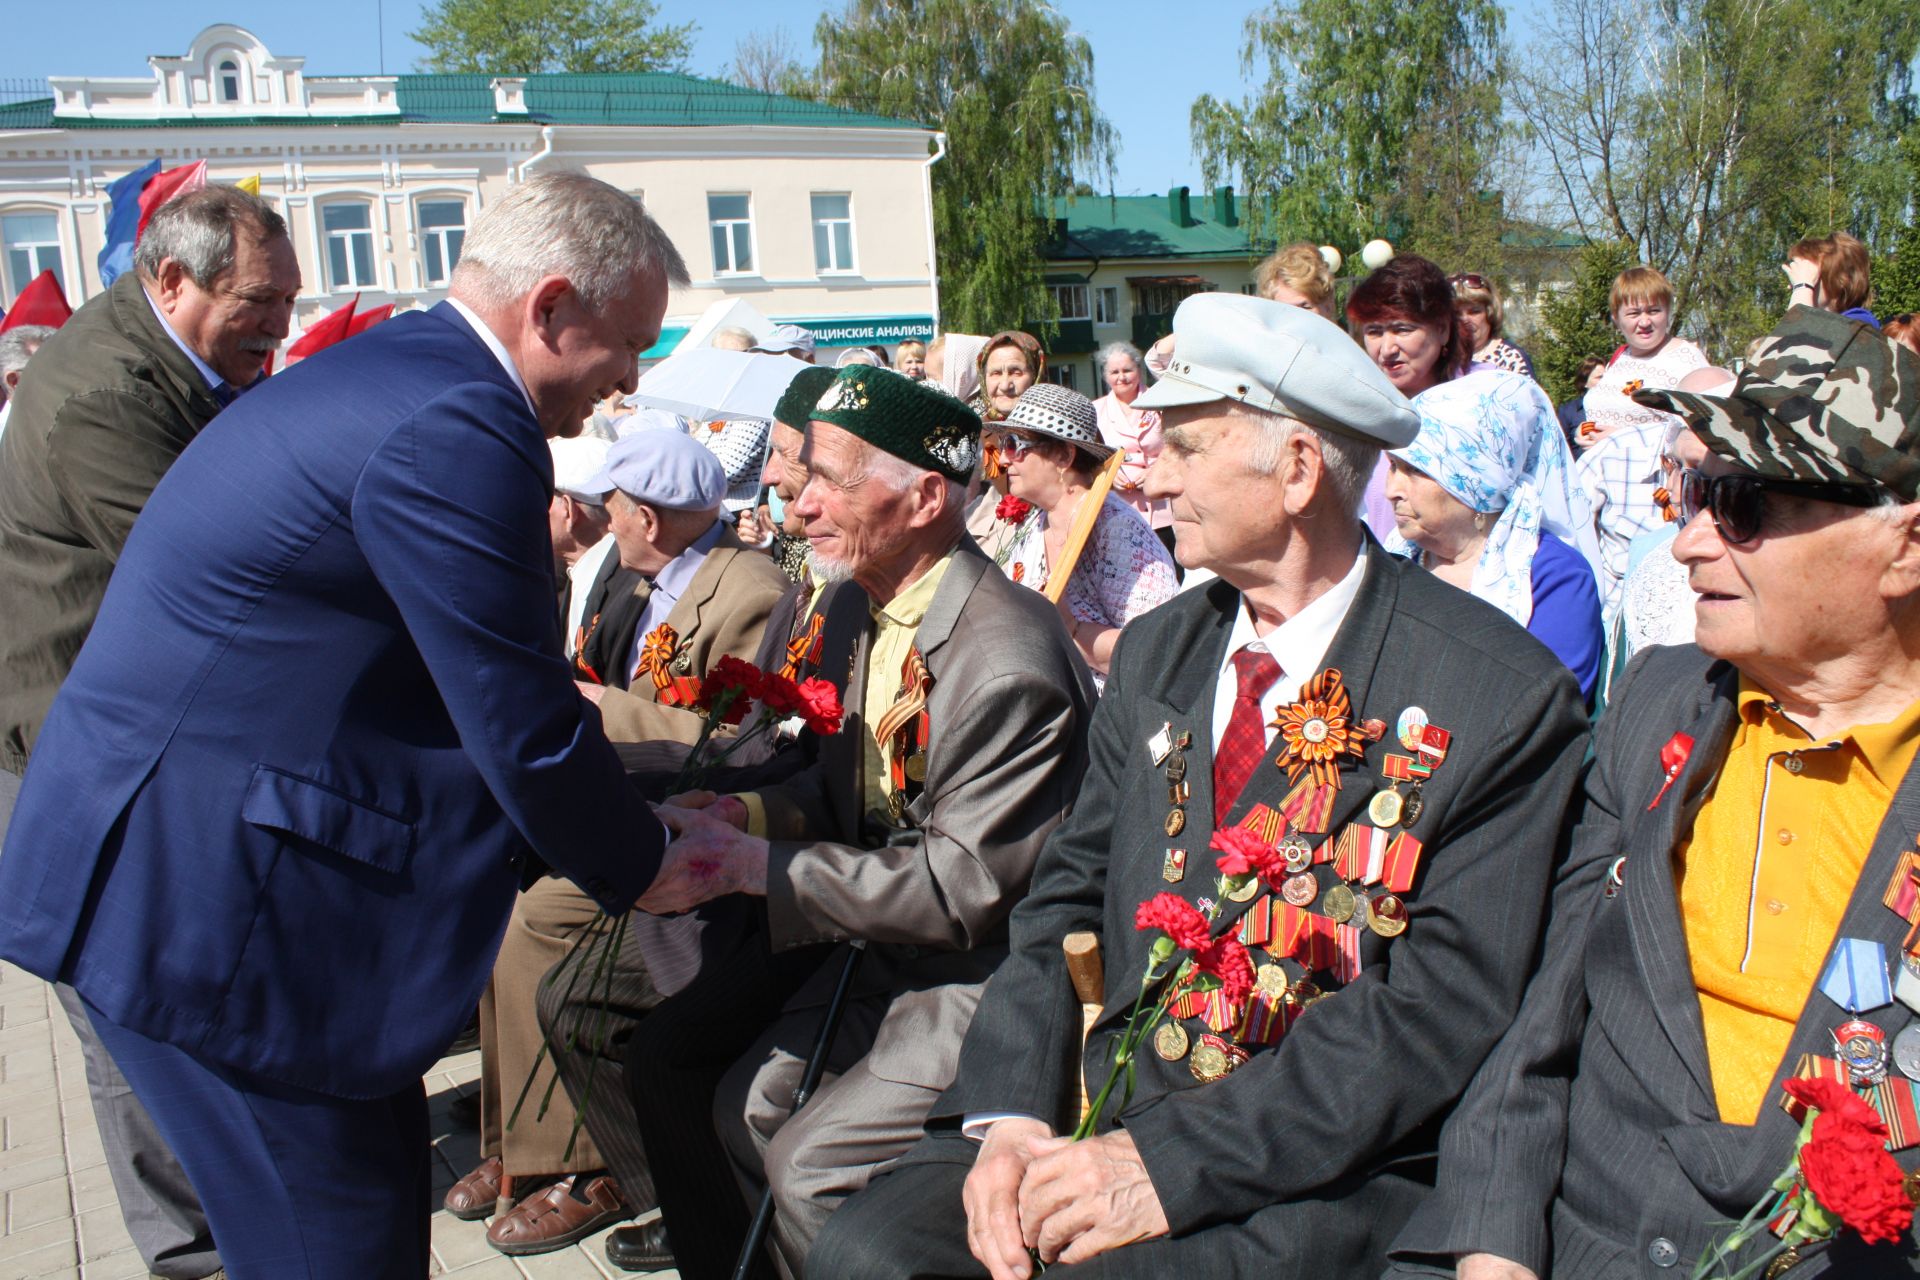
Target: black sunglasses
[1737, 502]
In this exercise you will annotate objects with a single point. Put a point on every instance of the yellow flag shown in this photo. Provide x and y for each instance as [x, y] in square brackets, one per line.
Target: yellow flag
[250, 185]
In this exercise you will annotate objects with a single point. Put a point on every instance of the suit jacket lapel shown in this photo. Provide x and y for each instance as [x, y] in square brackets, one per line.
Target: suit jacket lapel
[684, 617]
[1185, 702]
[849, 630]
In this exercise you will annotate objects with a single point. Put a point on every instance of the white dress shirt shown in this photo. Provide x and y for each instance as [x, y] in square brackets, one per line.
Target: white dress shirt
[668, 586]
[498, 348]
[580, 576]
[214, 380]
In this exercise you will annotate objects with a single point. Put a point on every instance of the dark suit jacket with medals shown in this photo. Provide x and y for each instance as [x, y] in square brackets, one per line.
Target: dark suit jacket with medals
[1284, 1149]
[1590, 1144]
[1008, 713]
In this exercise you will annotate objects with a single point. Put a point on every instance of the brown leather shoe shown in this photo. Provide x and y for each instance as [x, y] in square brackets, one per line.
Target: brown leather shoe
[472, 1198]
[564, 1213]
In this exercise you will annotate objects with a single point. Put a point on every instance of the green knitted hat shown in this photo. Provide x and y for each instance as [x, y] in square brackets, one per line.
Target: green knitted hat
[796, 405]
[914, 421]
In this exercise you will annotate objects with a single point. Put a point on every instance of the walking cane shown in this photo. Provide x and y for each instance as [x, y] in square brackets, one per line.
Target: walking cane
[809, 1081]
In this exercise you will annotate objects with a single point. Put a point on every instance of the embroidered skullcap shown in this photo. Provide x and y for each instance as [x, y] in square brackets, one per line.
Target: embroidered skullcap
[908, 419]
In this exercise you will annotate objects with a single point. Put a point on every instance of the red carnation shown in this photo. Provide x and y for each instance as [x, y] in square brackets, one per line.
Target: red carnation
[819, 703]
[1174, 916]
[1226, 958]
[779, 695]
[1242, 853]
[1836, 1103]
[733, 684]
[1013, 510]
[1846, 1166]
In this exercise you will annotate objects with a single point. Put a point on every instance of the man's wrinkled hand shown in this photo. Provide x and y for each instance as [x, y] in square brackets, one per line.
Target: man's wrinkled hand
[591, 692]
[728, 809]
[1080, 1199]
[1487, 1266]
[992, 1197]
[707, 859]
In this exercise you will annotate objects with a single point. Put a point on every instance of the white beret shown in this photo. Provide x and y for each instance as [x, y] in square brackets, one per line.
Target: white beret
[1283, 359]
[576, 463]
[663, 466]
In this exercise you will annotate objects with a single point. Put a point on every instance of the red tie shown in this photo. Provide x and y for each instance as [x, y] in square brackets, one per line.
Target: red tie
[1245, 740]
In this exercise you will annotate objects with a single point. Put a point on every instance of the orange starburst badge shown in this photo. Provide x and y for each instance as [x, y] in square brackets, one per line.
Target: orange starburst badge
[1317, 731]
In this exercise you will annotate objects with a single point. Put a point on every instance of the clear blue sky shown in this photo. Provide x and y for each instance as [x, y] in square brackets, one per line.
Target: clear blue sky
[1146, 77]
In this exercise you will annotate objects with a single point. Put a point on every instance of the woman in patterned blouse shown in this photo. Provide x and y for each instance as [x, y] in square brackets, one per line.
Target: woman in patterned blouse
[1051, 448]
[1477, 303]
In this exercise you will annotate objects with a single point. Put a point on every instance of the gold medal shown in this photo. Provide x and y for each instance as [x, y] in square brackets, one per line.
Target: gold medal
[1303, 993]
[1385, 809]
[1209, 1063]
[1171, 1042]
[1176, 822]
[1387, 915]
[1339, 903]
[1270, 980]
[1297, 852]
[1246, 891]
[916, 767]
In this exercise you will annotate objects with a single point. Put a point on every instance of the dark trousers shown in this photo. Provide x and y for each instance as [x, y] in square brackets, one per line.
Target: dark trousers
[296, 1185]
[675, 1062]
[157, 1204]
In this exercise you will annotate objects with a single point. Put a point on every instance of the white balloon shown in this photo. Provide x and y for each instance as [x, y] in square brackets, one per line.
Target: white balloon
[1376, 254]
[1332, 257]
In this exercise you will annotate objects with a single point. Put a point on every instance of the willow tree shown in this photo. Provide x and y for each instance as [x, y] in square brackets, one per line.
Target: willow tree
[1011, 85]
[1375, 117]
[522, 37]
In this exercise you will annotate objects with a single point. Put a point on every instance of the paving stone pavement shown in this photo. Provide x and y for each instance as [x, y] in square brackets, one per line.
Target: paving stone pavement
[60, 1221]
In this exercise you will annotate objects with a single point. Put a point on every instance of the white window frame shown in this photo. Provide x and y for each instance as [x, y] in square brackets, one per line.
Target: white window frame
[328, 235]
[1061, 294]
[1106, 304]
[753, 247]
[449, 257]
[42, 255]
[851, 265]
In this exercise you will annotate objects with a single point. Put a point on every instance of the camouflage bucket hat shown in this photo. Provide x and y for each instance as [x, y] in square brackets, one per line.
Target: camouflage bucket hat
[1824, 398]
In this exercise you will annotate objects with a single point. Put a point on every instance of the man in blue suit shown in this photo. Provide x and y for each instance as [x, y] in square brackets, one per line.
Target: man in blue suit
[274, 823]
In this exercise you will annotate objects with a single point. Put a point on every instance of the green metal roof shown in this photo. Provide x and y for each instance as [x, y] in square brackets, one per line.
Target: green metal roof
[1148, 227]
[644, 98]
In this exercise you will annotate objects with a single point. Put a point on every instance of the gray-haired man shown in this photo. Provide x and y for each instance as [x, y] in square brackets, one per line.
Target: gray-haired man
[115, 395]
[17, 346]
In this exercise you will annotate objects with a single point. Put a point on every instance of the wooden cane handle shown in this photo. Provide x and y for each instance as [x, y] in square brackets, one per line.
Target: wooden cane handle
[1084, 966]
[1084, 518]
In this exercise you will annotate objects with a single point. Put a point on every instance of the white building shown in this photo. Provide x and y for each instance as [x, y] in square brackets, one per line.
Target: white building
[815, 215]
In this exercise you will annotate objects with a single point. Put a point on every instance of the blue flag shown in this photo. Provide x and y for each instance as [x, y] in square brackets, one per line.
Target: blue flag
[123, 221]
[1856, 977]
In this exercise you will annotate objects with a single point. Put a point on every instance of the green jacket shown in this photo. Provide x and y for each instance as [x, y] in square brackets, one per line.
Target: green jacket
[101, 413]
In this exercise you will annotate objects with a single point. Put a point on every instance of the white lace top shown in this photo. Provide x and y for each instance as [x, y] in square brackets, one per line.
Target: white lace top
[1123, 572]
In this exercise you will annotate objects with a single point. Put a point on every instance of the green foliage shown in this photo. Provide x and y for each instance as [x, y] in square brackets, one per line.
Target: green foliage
[1712, 134]
[1378, 117]
[1896, 277]
[1574, 322]
[524, 37]
[1012, 87]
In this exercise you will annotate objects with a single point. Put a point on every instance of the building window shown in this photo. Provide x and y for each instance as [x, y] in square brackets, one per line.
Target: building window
[33, 245]
[832, 233]
[349, 234]
[1062, 375]
[1160, 297]
[1072, 301]
[229, 81]
[443, 226]
[732, 224]
[1106, 304]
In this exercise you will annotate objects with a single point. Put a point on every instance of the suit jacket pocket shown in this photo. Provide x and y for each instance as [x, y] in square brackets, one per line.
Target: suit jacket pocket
[317, 814]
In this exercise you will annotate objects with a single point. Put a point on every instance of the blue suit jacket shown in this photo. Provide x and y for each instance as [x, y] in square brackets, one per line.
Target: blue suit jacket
[277, 813]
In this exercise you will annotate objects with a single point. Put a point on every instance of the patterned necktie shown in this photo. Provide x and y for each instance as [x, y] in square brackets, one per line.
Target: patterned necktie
[1245, 740]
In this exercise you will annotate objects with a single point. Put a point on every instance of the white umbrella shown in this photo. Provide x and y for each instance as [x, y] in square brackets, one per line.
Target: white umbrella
[709, 385]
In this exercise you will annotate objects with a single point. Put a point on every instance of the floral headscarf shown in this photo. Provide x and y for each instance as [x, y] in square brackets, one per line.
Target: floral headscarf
[1492, 441]
[959, 368]
[1029, 347]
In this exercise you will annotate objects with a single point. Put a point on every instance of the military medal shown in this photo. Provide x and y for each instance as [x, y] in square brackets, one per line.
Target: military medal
[1267, 1008]
[1387, 915]
[1174, 869]
[1856, 979]
[1906, 1052]
[1309, 806]
[916, 767]
[1297, 852]
[1339, 903]
[1300, 890]
[1385, 809]
[1906, 982]
[1861, 1048]
[1175, 759]
[1170, 1041]
[1317, 732]
[1245, 892]
[1411, 805]
[1373, 730]
[1214, 1058]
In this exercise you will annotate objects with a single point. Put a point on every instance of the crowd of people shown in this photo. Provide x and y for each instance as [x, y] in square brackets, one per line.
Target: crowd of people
[1477, 797]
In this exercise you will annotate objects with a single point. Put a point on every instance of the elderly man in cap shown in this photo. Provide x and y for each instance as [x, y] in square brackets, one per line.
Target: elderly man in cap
[584, 552]
[684, 594]
[1412, 750]
[914, 830]
[1739, 904]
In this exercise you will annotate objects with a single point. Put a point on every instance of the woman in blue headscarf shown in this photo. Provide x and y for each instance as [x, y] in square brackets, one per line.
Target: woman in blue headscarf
[1485, 498]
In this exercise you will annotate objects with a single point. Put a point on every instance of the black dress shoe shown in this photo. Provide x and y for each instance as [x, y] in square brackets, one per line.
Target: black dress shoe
[641, 1248]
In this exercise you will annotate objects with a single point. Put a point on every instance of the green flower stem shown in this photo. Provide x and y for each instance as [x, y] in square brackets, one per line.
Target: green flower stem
[593, 929]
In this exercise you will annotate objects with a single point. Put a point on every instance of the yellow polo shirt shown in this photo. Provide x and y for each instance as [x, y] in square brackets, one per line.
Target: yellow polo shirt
[1766, 874]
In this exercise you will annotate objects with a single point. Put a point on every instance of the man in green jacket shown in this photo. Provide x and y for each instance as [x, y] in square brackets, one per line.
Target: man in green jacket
[116, 395]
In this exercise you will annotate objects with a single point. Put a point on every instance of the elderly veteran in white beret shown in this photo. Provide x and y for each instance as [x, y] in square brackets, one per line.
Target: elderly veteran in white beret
[584, 552]
[1428, 750]
[1051, 451]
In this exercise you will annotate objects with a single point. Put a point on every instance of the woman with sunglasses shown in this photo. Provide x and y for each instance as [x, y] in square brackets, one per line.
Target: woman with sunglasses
[1051, 449]
[1485, 498]
[1477, 304]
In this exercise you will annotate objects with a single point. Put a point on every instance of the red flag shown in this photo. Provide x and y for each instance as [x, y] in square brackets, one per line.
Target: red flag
[165, 186]
[323, 333]
[41, 302]
[367, 319]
